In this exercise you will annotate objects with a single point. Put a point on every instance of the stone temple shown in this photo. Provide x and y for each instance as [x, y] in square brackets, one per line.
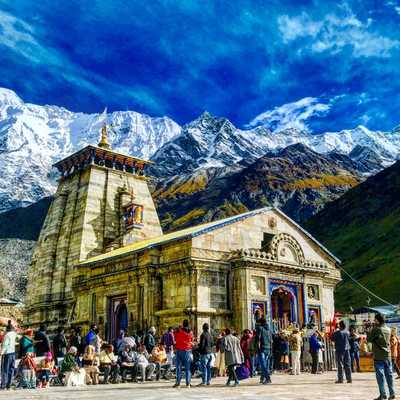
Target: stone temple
[102, 257]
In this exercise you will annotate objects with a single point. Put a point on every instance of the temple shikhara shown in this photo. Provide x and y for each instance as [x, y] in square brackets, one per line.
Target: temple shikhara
[102, 257]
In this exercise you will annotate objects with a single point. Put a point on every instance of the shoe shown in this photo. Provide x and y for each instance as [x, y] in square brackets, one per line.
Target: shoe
[208, 383]
[188, 386]
[339, 382]
[201, 384]
[236, 383]
[177, 385]
[381, 398]
[349, 381]
[267, 382]
[392, 397]
[228, 383]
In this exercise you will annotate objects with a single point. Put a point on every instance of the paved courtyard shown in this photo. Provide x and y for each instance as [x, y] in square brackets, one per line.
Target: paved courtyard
[304, 387]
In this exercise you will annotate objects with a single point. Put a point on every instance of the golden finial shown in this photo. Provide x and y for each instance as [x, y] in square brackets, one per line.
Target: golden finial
[103, 141]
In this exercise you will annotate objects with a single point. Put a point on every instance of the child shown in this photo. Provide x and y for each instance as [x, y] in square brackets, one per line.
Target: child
[46, 366]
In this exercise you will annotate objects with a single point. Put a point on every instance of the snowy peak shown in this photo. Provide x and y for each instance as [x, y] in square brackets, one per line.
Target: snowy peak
[9, 98]
[33, 137]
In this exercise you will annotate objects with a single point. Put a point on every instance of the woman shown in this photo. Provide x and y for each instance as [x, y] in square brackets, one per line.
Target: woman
[394, 343]
[26, 344]
[90, 363]
[44, 371]
[245, 346]
[230, 346]
[27, 367]
[284, 352]
[74, 376]
[183, 346]
[220, 358]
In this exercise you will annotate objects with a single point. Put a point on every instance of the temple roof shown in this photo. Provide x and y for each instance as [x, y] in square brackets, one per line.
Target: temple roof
[104, 153]
[191, 233]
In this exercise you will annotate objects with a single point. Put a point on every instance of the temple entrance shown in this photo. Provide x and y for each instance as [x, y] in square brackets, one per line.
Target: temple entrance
[284, 305]
[117, 316]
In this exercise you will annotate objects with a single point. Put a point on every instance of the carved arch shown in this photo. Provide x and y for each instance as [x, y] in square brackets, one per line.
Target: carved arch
[282, 243]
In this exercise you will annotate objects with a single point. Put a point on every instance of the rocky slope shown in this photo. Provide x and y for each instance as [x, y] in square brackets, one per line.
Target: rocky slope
[363, 229]
[296, 179]
[14, 261]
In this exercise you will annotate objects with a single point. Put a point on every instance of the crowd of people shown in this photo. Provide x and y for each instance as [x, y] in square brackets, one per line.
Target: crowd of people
[33, 360]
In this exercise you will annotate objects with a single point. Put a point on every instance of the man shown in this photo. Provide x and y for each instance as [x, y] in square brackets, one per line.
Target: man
[149, 340]
[295, 342]
[92, 338]
[354, 349]
[108, 364]
[264, 345]
[342, 347]
[41, 340]
[8, 353]
[168, 340]
[379, 336]
[315, 346]
[144, 368]
[204, 350]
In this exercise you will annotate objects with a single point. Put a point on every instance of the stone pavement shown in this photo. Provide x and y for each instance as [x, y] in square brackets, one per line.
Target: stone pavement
[304, 387]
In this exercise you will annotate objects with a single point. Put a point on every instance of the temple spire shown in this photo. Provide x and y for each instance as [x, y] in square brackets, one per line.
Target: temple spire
[104, 140]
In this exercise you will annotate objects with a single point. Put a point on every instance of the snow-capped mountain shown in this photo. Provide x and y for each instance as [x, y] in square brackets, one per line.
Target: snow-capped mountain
[211, 141]
[33, 137]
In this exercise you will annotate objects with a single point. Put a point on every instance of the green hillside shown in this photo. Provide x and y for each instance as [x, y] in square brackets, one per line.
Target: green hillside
[362, 228]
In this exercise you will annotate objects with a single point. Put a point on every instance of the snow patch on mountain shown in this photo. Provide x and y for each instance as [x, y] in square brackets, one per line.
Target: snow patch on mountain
[34, 137]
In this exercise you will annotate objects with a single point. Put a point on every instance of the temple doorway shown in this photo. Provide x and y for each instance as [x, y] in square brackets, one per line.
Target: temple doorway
[117, 316]
[283, 304]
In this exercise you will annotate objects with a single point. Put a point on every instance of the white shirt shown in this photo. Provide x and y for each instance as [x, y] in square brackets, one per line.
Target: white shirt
[8, 346]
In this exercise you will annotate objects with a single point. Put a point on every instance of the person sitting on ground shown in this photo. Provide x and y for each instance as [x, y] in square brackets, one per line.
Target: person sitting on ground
[144, 367]
[46, 366]
[73, 375]
[127, 363]
[90, 363]
[109, 364]
[159, 358]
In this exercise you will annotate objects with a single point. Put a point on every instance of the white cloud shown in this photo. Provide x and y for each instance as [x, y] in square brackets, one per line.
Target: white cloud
[293, 115]
[334, 33]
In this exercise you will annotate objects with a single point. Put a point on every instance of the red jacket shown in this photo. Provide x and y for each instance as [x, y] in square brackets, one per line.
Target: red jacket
[183, 340]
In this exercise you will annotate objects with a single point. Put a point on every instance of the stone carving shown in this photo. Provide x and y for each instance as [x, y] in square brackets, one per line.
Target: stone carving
[313, 292]
[258, 285]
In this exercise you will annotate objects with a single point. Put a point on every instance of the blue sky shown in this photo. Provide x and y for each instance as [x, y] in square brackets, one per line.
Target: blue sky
[317, 65]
